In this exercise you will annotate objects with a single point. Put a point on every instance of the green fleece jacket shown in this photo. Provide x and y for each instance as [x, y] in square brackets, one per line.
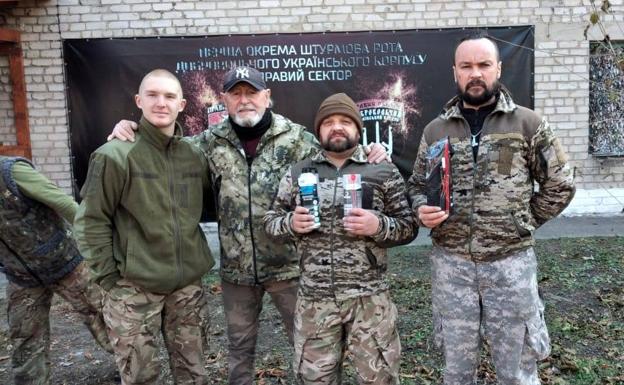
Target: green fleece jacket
[139, 218]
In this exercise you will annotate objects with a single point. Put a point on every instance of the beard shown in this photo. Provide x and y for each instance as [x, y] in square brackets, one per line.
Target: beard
[483, 97]
[345, 143]
[248, 121]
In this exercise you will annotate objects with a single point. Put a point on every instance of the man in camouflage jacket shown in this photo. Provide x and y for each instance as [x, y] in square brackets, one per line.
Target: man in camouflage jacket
[40, 258]
[483, 264]
[247, 155]
[343, 300]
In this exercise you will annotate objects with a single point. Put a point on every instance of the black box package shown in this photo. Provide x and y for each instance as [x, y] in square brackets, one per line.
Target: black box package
[438, 175]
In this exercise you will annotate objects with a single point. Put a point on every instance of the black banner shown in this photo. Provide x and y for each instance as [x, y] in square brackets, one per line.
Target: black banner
[400, 79]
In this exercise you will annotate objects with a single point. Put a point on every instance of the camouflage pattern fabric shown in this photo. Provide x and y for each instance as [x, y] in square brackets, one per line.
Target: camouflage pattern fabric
[134, 318]
[204, 320]
[29, 326]
[33, 232]
[502, 295]
[243, 305]
[365, 327]
[244, 192]
[496, 209]
[333, 262]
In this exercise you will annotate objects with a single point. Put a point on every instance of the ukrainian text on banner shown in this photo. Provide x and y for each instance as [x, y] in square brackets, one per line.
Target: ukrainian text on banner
[400, 79]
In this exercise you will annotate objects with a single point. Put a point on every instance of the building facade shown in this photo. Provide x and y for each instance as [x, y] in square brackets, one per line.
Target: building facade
[562, 59]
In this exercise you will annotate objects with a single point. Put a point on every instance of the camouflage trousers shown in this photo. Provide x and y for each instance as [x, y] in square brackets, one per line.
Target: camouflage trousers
[29, 324]
[501, 298]
[243, 305]
[364, 326]
[135, 317]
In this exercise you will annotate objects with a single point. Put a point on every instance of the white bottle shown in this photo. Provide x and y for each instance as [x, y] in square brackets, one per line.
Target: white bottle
[308, 192]
[352, 185]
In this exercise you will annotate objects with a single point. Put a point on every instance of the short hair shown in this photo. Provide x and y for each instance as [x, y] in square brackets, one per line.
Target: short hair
[477, 35]
[163, 73]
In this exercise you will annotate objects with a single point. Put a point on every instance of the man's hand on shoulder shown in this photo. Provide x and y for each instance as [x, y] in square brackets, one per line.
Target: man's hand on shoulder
[431, 216]
[124, 130]
[376, 153]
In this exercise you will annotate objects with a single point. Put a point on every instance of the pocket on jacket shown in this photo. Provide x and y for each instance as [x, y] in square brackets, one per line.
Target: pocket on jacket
[521, 230]
[438, 337]
[372, 259]
[387, 340]
[377, 258]
[368, 195]
[537, 339]
[130, 258]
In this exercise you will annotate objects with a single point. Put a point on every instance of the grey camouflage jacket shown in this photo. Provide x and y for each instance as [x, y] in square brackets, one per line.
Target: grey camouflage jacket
[244, 192]
[496, 209]
[334, 263]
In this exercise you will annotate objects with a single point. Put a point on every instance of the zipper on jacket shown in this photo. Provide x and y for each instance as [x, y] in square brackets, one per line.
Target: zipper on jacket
[474, 177]
[174, 213]
[251, 233]
[331, 237]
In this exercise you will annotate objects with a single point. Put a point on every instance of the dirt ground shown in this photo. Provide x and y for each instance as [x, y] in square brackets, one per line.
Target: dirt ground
[76, 359]
[581, 280]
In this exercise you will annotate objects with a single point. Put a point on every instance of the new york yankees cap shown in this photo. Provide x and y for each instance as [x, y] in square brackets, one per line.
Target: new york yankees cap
[243, 74]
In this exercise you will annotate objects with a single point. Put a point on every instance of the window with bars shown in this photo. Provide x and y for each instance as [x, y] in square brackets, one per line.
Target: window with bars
[606, 98]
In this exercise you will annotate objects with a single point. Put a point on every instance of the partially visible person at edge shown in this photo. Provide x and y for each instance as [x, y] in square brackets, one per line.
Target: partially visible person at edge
[248, 153]
[138, 227]
[343, 302]
[483, 262]
[39, 256]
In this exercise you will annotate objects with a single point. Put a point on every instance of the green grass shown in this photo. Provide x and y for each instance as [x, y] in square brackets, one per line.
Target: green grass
[581, 280]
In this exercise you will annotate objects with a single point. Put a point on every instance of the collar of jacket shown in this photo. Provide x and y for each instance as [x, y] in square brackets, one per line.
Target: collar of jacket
[505, 104]
[358, 156]
[224, 130]
[155, 136]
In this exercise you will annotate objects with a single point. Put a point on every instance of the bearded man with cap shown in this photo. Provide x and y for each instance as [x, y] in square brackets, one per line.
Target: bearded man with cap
[343, 300]
[247, 155]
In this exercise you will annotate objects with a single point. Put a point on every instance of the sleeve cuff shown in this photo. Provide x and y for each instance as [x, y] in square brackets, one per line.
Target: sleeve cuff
[382, 230]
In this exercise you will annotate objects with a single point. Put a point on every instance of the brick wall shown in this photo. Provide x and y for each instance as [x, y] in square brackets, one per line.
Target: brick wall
[7, 133]
[561, 57]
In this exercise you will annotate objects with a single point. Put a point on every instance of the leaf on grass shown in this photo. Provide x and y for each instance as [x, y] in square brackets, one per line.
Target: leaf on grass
[212, 358]
[271, 372]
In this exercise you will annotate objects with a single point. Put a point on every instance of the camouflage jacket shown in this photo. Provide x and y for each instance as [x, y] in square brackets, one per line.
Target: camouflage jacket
[36, 244]
[334, 263]
[496, 209]
[244, 192]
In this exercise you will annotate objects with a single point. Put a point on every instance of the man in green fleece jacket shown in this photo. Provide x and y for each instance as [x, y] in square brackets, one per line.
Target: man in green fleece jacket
[138, 227]
[40, 258]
